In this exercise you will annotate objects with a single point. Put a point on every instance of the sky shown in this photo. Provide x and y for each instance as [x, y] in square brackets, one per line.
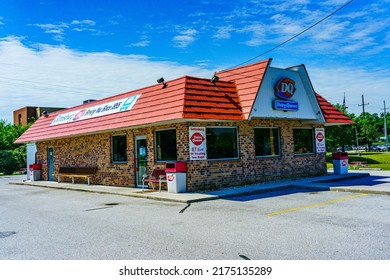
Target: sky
[59, 53]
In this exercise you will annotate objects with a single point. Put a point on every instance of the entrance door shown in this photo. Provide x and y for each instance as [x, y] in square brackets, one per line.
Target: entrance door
[50, 164]
[141, 159]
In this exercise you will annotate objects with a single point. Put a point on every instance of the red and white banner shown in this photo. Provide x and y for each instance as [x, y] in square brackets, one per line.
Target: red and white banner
[108, 108]
[198, 149]
[320, 140]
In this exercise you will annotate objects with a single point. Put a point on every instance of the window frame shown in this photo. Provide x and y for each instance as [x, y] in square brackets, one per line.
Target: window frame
[236, 139]
[156, 144]
[312, 140]
[278, 139]
[112, 150]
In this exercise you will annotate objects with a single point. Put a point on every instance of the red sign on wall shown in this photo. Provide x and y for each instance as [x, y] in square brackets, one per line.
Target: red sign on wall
[320, 140]
[197, 138]
[198, 143]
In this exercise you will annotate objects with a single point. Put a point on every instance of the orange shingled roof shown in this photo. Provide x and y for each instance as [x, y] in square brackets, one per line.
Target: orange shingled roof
[248, 79]
[185, 97]
[331, 114]
[204, 100]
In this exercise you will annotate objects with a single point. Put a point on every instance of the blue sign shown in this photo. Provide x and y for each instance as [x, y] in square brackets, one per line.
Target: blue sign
[284, 105]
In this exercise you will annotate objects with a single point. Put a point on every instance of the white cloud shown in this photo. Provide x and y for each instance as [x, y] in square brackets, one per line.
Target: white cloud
[185, 38]
[83, 22]
[59, 29]
[144, 42]
[53, 28]
[223, 32]
[60, 77]
[257, 32]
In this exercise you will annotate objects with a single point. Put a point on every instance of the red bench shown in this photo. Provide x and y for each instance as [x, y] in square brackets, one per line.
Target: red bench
[157, 176]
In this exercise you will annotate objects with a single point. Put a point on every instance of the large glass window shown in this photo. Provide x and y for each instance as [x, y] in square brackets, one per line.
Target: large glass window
[166, 145]
[119, 148]
[303, 141]
[221, 142]
[267, 141]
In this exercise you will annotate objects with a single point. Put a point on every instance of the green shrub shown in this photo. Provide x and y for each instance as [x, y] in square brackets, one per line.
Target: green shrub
[8, 162]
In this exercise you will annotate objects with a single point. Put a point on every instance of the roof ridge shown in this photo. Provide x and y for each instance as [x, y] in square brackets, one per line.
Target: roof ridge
[269, 60]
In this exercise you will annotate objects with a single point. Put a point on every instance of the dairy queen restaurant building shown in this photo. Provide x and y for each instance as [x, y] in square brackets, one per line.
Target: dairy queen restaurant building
[250, 124]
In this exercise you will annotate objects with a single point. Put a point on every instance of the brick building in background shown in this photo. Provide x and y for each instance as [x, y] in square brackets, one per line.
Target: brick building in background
[249, 124]
[29, 114]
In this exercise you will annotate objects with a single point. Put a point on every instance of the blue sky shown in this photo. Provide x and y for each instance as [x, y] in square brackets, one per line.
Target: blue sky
[59, 53]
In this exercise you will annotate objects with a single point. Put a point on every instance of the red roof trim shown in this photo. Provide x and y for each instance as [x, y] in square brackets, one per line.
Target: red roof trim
[331, 114]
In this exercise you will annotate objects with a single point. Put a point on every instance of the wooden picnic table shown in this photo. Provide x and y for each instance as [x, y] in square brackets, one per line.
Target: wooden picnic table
[355, 164]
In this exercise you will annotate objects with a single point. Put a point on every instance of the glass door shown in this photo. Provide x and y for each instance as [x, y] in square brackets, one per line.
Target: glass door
[141, 159]
[50, 164]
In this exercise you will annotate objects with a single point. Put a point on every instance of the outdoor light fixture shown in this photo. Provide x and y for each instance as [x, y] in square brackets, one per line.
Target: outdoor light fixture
[162, 81]
[214, 79]
[45, 114]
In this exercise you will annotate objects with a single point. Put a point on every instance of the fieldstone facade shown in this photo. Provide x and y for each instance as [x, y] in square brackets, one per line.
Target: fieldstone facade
[95, 150]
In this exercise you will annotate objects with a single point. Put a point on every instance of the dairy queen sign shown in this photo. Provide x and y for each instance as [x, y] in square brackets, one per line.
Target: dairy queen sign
[198, 150]
[285, 89]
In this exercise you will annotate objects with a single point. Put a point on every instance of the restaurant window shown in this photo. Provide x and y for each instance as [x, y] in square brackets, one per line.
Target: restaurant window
[267, 141]
[222, 142]
[303, 141]
[166, 149]
[119, 149]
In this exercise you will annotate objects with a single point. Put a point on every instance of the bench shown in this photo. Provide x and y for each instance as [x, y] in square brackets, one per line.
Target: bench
[79, 172]
[355, 164]
[157, 176]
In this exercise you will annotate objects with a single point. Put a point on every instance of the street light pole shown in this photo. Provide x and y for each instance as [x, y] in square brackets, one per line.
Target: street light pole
[385, 125]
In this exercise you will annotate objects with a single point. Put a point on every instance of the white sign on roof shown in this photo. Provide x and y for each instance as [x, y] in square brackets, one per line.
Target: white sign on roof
[287, 94]
[104, 109]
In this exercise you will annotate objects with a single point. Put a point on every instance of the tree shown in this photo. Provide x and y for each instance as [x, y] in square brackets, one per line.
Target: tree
[368, 128]
[7, 162]
[12, 156]
[340, 135]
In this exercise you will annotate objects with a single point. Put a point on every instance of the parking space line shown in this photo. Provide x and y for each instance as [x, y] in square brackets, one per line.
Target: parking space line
[316, 204]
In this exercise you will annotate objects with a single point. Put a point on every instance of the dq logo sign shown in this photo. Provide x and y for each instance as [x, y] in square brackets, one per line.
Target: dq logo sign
[285, 88]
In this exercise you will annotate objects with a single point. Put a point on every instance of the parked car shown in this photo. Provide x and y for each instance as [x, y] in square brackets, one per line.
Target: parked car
[378, 148]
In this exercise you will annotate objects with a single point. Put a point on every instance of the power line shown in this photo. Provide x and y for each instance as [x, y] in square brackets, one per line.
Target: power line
[293, 37]
[41, 84]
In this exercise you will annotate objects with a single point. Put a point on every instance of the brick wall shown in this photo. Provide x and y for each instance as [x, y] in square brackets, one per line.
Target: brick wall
[95, 150]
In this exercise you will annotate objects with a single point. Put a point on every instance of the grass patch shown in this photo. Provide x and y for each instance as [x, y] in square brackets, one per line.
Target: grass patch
[373, 159]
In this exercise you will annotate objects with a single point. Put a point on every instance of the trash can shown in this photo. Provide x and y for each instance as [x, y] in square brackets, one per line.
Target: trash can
[35, 171]
[340, 162]
[176, 173]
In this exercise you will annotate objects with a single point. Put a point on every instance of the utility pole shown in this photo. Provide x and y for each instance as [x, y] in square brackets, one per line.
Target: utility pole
[385, 125]
[363, 104]
[364, 127]
[357, 141]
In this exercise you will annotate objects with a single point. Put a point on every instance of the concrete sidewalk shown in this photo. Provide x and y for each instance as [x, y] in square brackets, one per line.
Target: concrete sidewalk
[330, 182]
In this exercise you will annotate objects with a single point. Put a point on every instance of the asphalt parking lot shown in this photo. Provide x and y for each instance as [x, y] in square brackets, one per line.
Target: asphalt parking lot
[285, 224]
